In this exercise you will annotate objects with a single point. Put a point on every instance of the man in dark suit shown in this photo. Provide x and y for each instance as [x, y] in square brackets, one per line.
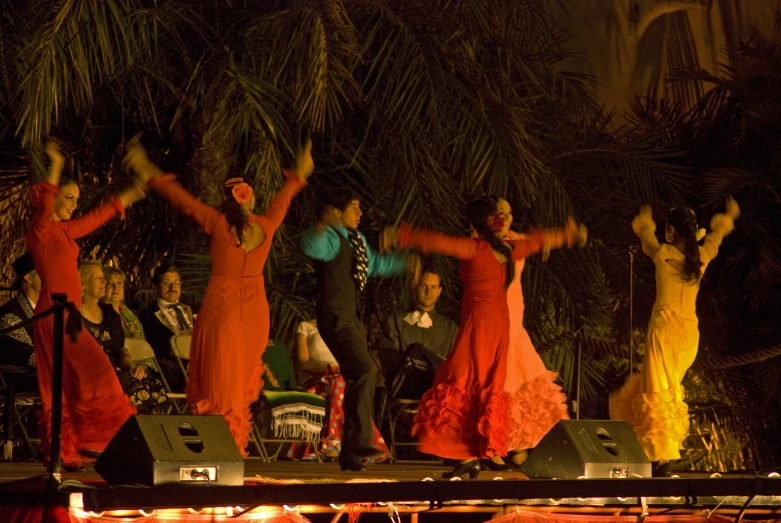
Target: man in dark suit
[421, 336]
[165, 318]
[16, 347]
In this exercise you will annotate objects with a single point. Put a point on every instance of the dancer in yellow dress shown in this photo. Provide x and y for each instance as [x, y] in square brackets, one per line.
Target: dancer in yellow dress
[652, 401]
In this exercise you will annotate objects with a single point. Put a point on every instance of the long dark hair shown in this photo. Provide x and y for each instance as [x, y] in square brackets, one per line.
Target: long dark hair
[478, 211]
[67, 180]
[234, 214]
[684, 221]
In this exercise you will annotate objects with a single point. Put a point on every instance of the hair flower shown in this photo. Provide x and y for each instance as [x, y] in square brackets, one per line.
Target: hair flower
[242, 192]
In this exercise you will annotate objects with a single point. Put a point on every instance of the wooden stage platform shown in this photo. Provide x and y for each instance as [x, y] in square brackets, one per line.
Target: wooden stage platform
[321, 492]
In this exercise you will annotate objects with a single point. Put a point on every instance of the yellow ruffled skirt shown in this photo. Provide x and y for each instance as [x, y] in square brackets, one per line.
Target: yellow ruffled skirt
[652, 401]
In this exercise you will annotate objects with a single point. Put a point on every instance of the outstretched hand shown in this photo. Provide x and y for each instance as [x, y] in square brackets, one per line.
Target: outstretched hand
[644, 218]
[414, 266]
[305, 165]
[576, 233]
[55, 155]
[138, 160]
[389, 239]
[732, 210]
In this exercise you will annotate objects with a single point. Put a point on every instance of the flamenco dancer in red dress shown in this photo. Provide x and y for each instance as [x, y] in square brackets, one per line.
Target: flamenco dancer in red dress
[232, 328]
[465, 415]
[94, 406]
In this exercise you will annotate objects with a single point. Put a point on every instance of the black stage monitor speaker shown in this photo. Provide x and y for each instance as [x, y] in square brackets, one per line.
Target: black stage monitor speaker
[172, 450]
[588, 448]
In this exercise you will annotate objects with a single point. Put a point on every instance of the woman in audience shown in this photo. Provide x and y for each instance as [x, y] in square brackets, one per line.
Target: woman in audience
[94, 406]
[103, 322]
[317, 362]
[115, 296]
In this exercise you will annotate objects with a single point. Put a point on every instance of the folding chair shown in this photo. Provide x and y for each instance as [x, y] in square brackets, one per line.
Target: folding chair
[142, 353]
[397, 400]
[180, 345]
[17, 405]
[286, 415]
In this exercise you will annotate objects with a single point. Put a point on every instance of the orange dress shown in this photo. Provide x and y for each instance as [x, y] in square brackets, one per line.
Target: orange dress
[536, 401]
[94, 406]
[232, 328]
[466, 412]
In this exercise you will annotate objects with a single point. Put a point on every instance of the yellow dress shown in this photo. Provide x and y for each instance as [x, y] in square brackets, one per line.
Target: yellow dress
[653, 400]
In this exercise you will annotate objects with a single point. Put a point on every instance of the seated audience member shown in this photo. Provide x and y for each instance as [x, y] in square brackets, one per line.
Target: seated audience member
[167, 317]
[115, 296]
[16, 347]
[140, 383]
[420, 333]
[316, 360]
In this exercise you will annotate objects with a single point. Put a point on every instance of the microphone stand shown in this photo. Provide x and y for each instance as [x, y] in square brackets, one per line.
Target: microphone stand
[632, 250]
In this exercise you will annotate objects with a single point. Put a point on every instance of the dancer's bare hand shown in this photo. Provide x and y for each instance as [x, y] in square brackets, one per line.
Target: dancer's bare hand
[644, 218]
[415, 267]
[55, 155]
[138, 160]
[732, 209]
[571, 231]
[389, 239]
[305, 165]
[582, 236]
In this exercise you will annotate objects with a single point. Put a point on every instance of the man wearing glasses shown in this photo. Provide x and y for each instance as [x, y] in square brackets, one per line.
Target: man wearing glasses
[167, 317]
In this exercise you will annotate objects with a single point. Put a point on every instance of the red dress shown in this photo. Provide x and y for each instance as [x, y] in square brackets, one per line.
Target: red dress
[231, 331]
[94, 406]
[466, 412]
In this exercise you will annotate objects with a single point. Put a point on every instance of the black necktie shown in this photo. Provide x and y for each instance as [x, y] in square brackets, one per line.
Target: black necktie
[360, 259]
[179, 316]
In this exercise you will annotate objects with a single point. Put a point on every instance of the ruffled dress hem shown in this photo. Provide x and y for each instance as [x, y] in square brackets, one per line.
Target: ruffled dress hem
[535, 408]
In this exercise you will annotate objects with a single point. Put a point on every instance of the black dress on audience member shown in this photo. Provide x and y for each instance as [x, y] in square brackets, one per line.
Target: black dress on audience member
[147, 394]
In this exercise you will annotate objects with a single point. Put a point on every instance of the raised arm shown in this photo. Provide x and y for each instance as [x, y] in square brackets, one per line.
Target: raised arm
[98, 216]
[296, 180]
[721, 225]
[166, 186]
[645, 228]
[430, 241]
[281, 203]
[43, 193]
[42, 200]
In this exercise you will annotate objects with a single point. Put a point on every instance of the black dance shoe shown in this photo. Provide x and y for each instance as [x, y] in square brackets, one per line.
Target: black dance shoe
[665, 470]
[462, 469]
[350, 461]
[489, 464]
[367, 452]
[74, 468]
[89, 453]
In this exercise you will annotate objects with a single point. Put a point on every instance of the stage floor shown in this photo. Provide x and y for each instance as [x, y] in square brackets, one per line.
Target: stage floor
[315, 490]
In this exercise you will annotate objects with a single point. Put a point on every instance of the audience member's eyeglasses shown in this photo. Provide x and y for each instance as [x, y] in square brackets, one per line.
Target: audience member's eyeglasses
[175, 283]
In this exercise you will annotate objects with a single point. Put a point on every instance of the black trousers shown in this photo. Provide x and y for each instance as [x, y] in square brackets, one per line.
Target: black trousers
[360, 374]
